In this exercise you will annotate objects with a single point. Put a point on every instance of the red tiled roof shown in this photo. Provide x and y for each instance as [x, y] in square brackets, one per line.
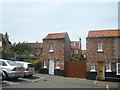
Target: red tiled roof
[104, 33]
[83, 51]
[56, 36]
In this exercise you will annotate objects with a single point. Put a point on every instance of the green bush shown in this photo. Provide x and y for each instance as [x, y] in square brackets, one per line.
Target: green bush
[75, 59]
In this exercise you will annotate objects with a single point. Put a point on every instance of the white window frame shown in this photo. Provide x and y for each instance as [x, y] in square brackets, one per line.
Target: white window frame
[100, 48]
[57, 64]
[76, 51]
[108, 67]
[51, 48]
[45, 64]
[92, 67]
[117, 73]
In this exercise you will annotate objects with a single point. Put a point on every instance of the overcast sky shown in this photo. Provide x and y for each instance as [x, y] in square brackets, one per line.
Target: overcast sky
[32, 21]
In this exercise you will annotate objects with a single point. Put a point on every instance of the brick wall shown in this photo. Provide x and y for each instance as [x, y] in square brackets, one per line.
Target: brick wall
[108, 53]
[67, 48]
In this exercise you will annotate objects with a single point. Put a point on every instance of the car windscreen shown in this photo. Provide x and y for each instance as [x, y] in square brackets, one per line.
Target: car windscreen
[30, 65]
[11, 63]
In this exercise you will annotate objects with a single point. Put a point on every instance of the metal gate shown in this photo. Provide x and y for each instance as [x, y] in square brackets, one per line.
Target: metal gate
[75, 69]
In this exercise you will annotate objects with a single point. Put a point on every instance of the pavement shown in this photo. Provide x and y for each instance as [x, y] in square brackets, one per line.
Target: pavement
[50, 81]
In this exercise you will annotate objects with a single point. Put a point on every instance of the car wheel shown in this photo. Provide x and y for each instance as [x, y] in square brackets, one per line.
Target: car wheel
[5, 76]
[30, 75]
[2, 77]
[15, 78]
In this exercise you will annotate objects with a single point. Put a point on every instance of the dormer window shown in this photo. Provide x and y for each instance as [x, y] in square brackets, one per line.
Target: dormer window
[51, 48]
[100, 49]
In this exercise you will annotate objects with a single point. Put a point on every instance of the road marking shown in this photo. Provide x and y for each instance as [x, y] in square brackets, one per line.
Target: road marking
[8, 82]
[36, 80]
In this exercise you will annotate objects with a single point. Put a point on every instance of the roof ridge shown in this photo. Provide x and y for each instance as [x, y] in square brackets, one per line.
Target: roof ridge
[104, 30]
[58, 33]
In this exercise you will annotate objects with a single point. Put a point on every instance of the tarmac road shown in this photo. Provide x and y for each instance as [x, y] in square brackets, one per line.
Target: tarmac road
[50, 81]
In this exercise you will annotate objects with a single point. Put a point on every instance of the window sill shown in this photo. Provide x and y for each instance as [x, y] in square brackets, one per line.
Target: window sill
[118, 74]
[51, 51]
[99, 50]
[92, 70]
[45, 67]
[57, 68]
[108, 71]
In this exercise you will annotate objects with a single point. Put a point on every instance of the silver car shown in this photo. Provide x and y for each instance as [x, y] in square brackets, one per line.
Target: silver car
[11, 70]
[29, 69]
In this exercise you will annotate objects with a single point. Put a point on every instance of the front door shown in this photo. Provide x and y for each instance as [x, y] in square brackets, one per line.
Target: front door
[51, 67]
[101, 71]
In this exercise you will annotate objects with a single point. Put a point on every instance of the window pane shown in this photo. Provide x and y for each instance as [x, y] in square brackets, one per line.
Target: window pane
[12, 63]
[57, 63]
[51, 47]
[92, 66]
[30, 65]
[73, 43]
[119, 70]
[4, 64]
[76, 51]
[45, 63]
[118, 65]
[100, 46]
[108, 66]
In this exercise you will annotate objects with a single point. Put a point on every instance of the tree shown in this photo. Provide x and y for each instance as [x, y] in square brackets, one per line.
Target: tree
[21, 49]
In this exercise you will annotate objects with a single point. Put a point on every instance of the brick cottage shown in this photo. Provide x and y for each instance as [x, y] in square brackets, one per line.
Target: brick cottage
[103, 54]
[55, 51]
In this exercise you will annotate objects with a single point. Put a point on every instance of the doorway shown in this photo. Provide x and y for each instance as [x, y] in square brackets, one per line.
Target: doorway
[101, 71]
[51, 67]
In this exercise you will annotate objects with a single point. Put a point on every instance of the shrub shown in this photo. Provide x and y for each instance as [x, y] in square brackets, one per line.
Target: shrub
[75, 59]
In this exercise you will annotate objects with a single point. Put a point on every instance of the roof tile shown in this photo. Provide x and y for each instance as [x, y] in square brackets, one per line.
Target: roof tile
[56, 36]
[104, 33]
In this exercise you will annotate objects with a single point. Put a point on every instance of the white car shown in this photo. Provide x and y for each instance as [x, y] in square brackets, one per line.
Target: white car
[29, 69]
[11, 70]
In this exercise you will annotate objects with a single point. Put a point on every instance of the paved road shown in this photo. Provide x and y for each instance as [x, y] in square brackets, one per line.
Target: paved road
[49, 81]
